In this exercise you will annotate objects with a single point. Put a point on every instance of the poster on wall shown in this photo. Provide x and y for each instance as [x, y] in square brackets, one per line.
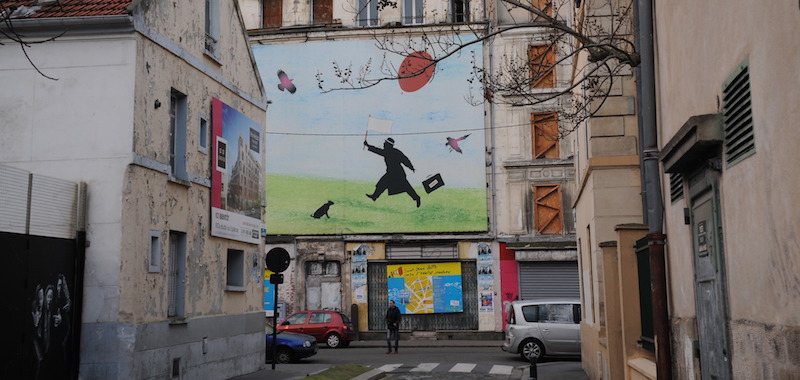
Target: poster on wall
[269, 294]
[485, 278]
[403, 156]
[358, 277]
[236, 188]
[426, 288]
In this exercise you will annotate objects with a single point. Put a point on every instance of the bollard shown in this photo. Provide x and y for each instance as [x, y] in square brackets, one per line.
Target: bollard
[534, 375]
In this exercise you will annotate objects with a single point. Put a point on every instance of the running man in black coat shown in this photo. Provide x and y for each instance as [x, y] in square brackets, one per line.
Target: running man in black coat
[395, 178]
[392, 326]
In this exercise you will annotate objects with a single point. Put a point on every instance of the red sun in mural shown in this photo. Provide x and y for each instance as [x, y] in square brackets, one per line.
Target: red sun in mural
[413, 72]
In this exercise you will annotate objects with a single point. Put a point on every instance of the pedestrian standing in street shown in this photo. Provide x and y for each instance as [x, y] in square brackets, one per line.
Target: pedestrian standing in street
[392, 326]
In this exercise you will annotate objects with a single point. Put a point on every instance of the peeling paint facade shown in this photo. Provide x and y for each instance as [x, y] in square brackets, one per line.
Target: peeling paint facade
[122, 81]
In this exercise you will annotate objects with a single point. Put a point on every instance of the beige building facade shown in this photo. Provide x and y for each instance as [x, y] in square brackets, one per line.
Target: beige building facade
[131, 117]
[731, 266]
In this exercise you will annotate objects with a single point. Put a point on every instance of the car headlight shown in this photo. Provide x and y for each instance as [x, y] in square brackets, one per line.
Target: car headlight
[306, 344]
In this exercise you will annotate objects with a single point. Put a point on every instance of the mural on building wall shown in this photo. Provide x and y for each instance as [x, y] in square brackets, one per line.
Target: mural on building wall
[400, 157]
[426, 288]
[236, 188]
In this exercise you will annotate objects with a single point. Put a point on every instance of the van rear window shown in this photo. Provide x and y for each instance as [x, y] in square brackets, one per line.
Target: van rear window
[555, 313]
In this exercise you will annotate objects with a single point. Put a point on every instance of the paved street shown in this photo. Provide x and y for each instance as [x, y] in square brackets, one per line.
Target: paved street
[446, 360]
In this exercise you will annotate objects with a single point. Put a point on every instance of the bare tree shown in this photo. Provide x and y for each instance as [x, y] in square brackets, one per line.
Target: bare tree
[10, 11]
[596, 43]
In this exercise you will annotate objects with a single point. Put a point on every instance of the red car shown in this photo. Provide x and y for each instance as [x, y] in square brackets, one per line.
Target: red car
[331, 327]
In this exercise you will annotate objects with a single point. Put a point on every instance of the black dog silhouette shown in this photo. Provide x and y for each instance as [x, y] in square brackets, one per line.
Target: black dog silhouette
[322, 210]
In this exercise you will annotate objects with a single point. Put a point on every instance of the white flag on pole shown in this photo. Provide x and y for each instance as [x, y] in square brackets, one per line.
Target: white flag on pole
[379, 125]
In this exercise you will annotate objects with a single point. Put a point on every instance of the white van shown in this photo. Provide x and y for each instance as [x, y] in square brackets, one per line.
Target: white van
[546, 327]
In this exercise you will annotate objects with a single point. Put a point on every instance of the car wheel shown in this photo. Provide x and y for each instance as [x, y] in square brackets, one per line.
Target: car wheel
[333, 340]
[283, 355]
[531, 347]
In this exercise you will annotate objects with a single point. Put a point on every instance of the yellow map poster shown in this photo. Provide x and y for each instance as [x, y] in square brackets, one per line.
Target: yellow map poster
[424, 288]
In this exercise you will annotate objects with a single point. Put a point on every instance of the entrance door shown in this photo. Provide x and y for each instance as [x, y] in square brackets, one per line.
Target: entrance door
[712, 324]
[323, 285]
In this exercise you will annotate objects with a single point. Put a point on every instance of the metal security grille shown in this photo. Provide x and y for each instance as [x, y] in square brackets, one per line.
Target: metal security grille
[466, 320]
[548, 279]
[737, 116]
[430, 251]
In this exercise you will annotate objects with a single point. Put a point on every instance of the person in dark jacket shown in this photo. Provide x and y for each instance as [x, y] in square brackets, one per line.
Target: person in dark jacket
[395, 178]
[392, 327]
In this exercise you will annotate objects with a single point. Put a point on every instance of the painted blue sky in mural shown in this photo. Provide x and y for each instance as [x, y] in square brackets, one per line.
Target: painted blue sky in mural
[305, 129]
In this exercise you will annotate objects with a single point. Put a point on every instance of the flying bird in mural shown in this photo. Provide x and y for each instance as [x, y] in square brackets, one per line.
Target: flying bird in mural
[453, 143]
[286, 83]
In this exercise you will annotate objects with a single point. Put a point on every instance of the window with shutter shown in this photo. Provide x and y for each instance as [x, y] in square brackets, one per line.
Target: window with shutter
[545, 6]
[177, 275]
[544, 130]
[273, 13]
[547, 209]
[541, 65]
[737, 116]
[323, 11]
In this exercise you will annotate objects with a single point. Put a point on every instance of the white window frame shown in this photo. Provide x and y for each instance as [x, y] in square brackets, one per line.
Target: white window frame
[413, 12]
[176, 292]
[178, 111]
[203, 128]
[154, 252]
[369, 11]
[212, 29]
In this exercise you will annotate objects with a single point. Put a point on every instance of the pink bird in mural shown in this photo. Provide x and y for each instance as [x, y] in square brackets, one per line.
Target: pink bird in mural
[286, 83]
[453, 143]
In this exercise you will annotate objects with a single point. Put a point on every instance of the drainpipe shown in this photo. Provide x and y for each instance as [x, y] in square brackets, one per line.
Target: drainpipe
[652, 187]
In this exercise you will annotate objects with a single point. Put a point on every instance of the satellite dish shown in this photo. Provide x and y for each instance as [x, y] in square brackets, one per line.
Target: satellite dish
[277, 260]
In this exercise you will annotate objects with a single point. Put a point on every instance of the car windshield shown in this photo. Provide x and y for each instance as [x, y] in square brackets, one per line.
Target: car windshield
[269, 330]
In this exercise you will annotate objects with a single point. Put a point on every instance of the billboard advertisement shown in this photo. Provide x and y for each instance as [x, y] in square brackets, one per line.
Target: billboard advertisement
[426, 288]
[402, 156]
[236, 187]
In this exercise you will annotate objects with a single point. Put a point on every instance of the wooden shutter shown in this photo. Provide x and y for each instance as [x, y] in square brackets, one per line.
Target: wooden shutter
[541, 65]
[323, 11]
[547, 210]
[544, 5]
[544, 128]
[273, 13]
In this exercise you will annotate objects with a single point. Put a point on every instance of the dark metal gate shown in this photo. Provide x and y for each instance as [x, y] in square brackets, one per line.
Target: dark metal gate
[42, 236]
[378, 302]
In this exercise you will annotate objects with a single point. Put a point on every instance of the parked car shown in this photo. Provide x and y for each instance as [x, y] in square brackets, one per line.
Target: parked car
[543, 328]
[331, 327]
[290, 347]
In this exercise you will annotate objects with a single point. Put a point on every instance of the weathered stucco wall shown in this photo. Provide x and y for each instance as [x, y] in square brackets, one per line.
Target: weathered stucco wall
[758, 194]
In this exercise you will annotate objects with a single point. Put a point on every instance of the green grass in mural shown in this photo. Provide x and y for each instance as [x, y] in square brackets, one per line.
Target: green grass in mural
[292, 200]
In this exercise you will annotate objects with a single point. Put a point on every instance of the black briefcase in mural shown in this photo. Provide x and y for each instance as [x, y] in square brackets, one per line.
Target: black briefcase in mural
[433, 182]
